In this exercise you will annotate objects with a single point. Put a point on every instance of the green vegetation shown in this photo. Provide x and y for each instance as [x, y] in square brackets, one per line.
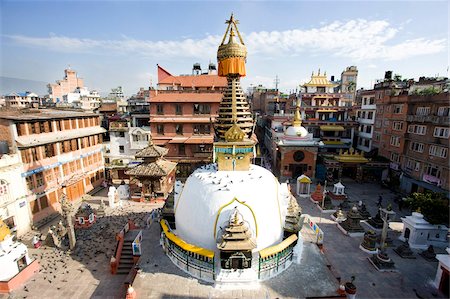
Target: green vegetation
[433, 206]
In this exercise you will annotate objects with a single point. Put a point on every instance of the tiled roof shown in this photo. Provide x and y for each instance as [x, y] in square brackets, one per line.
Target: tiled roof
[180, 97]
[195, 81]
[152, 151]
[158, 168]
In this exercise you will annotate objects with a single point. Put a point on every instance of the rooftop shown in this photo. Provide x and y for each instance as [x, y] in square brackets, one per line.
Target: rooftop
[41, 114]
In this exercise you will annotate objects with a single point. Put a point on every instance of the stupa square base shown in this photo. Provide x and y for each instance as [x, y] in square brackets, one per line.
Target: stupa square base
[325, 210]
[404, 256]
[351, 234]
[366, 223]
[336, 219]
[382, 266]
[375, 251]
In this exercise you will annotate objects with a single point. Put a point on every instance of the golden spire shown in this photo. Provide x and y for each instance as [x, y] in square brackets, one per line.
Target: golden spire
[234, 111]
[297, 117]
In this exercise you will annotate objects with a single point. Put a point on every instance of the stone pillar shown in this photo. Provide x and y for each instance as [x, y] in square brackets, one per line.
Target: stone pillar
[340, 172]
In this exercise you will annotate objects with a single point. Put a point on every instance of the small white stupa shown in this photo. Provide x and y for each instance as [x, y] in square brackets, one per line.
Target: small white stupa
[14, 259]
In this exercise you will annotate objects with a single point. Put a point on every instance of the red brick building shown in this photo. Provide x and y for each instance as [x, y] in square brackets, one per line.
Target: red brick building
[181, 116]
[61, 151]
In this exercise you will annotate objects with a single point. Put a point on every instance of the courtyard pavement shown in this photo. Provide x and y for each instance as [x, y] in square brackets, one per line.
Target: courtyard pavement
[84, 273]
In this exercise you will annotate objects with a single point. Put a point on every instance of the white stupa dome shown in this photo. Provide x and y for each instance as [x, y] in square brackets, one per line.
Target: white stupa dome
[296, 131]
[205, 203]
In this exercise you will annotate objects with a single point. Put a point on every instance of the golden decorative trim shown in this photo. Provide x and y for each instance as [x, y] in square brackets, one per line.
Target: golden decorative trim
[186, 246]
[263, 253]
[229, 203]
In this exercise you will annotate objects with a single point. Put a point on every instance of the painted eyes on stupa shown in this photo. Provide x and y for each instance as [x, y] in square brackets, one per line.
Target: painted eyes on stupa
[237, 157]
[240, 157]
[228, 157]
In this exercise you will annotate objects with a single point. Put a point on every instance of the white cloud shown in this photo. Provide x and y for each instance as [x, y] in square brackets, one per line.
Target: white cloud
[355, 39]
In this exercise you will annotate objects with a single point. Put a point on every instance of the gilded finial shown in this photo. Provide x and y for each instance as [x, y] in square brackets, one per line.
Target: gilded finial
[297, 117]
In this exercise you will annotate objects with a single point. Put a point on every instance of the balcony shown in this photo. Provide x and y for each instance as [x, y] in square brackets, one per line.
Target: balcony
[202, 154]
[434, 119]
[431, 179]
[118, 127]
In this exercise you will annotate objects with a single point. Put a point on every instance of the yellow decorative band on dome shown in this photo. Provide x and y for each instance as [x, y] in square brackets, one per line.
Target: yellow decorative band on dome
[233, 65]
[229, 203]
[263, 253]
[186, 246]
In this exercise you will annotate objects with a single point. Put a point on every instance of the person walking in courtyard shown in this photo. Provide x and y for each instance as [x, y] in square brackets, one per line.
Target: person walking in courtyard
[380, 201]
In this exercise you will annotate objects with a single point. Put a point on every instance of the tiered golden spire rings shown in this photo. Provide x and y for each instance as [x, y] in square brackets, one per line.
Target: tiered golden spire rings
[297, 117]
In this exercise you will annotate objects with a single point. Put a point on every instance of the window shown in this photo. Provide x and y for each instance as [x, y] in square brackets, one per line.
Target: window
[369, 129]
[398, 108]
[370, 115]
[441, 132]
[438, 151]
[181, 150]
[121, 134]
[395, 141]
[397, 125]
[178, 109]
[49, 175]
[30, 182]
[417, 147]
[423, 110]
[378, 123]
[443, 111]
[121, 149]
[433, 171]
[395, 157]
[203, 148]
[417, 129]
[39, 179]
[160, 129]
[200, 129]
[48, 149]
[179, 129]
[386, 123]
[413, 165]
[159, 109]
[34, 153]
[202, 109]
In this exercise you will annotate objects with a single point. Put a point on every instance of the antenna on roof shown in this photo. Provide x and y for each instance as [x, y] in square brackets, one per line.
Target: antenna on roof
[276, 81]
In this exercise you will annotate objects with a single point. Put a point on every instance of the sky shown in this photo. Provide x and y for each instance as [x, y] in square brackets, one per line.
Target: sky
[119, 43]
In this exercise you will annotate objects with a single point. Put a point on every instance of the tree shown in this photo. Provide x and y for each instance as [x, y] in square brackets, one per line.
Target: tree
[433, 206]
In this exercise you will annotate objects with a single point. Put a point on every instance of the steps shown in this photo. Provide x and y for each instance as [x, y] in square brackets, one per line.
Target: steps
[126, 259]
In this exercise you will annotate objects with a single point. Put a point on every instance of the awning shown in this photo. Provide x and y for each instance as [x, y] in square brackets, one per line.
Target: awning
[160, 141]
[333, 142]
[199, 140]
[179, 140]
[326, 110]
[332, 128]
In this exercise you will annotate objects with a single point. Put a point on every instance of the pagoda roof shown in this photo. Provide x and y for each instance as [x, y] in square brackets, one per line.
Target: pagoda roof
[234, 245]
[152, 151]
[158, 168]
[320, 80]
[351, 156]
[304, 179]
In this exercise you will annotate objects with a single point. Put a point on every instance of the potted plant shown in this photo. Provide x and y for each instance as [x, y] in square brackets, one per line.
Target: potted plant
[350, 288]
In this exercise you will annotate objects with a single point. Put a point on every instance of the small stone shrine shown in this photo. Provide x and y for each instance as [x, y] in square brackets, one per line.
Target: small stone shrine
[351, 225]
[317, 195]
[382, 262]
[429, 254]
[339, 216]
[376, 222]
[292, 224]
[85, 216]
[363, 212]
[369, 243]
[404, 251]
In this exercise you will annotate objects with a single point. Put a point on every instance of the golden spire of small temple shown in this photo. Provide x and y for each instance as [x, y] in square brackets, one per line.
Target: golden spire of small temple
[297, 117]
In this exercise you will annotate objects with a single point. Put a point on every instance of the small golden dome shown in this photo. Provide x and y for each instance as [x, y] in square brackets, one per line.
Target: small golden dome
[232, 55]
